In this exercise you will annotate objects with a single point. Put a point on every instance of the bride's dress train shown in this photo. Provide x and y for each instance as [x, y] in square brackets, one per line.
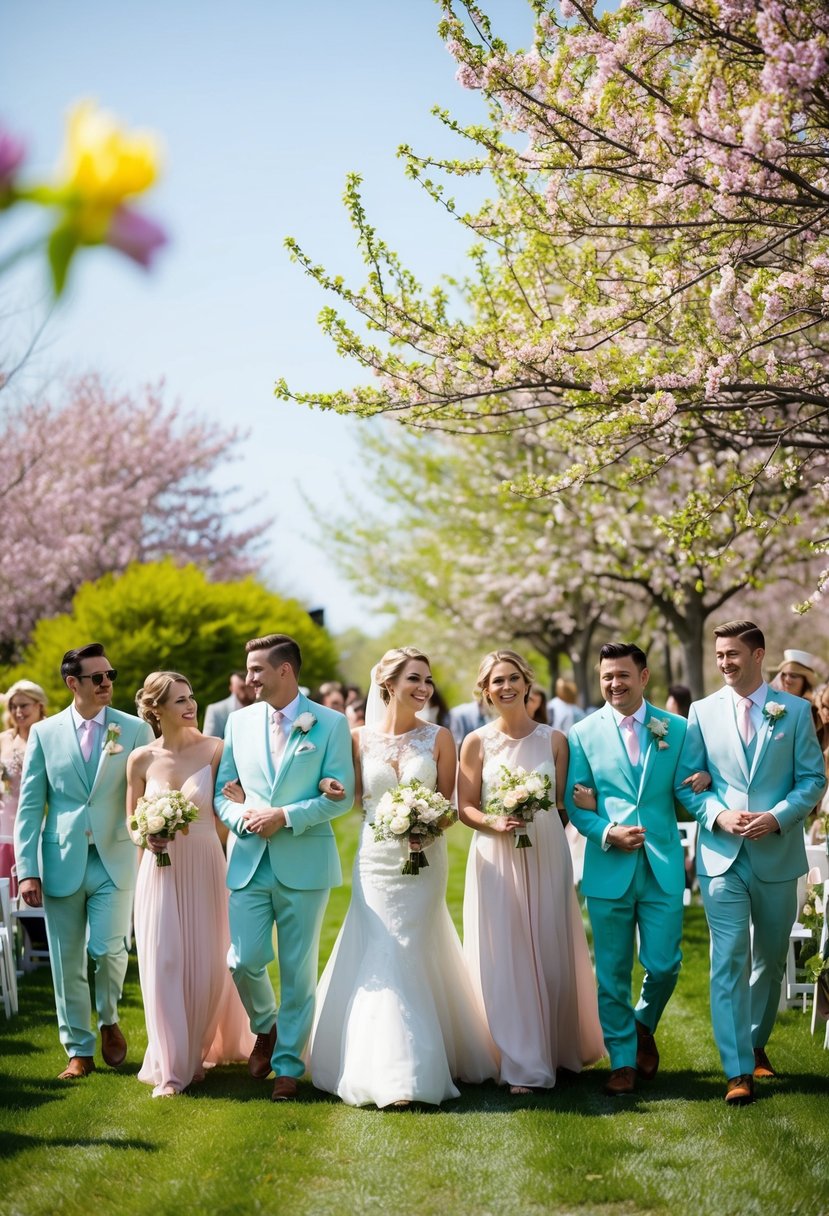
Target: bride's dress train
[396, 1016]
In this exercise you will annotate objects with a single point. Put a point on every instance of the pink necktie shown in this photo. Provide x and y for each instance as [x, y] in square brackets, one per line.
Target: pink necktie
[631, 742]
[277, 736]
[88, 736]
[744, 720]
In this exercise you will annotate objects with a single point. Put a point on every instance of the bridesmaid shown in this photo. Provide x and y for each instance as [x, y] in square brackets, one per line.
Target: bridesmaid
[194, 1015]
[25, 704]
[524, 940]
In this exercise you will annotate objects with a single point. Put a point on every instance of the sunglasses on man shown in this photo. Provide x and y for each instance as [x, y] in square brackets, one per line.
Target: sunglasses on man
[98, 677]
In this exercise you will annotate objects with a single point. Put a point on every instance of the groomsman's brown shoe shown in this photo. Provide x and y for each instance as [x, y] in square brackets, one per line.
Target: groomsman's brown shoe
[78, 1066]
[284, 1089]
[762, 1065]
[647, 1056]
[739, 1091]
[113, 1045]
[259, 1061]
[622, 1081]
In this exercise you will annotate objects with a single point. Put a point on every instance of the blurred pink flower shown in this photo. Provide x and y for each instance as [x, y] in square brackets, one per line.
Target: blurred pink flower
[12, 152]
[135, 235]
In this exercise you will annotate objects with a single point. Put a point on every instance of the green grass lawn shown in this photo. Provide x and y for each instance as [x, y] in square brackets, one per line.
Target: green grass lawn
[104, 1145]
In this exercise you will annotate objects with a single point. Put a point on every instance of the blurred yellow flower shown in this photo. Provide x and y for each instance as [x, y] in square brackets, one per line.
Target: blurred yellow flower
[102, 166]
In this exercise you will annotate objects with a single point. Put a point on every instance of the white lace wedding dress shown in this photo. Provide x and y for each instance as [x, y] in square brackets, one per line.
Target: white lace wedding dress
[396, 1015]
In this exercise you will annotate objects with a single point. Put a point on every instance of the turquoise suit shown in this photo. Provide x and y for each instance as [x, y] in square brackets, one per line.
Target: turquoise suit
[285, 878]
[630, 890]
[750, 882]
[89, 863]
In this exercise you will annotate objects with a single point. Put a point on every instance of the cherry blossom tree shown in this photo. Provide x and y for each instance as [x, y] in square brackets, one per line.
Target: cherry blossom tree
[650, 277]
[96, 480]
[450, 545]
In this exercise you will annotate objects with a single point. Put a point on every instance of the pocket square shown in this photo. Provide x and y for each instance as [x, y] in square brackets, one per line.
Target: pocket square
[305, 747]
[780, 734]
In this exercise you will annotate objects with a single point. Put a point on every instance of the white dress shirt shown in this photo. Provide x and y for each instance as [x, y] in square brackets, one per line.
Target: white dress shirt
[289, 714]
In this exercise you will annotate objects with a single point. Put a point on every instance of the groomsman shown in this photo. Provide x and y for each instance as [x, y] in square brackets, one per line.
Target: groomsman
[73, 808]
[620, 782]
[767, 774]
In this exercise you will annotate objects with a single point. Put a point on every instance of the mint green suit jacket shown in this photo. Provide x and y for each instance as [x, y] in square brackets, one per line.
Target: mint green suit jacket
[786, 776]
[303, 857]
[54, 781]
[646, 799]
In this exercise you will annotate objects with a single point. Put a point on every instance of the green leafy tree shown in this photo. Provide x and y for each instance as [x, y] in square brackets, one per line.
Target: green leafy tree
[650, 276]
[160, 616]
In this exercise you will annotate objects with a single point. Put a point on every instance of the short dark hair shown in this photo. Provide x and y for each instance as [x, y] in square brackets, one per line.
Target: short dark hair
[240, 675]
[72, 660]
[624, 650]
[281, 649]
[746, 631]
[681, 693]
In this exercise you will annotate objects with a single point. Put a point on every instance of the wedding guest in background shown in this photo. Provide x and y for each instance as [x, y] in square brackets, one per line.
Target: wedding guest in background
[798, 673]
[25, 704]
[524, 940]
[193, 1012]
[463, 719]
[353, 692]
[397, 1020]
[620, 796]
[72, 798]
[355, 711]
[563, 710]
[437, 710]
[679, 700]
[537, 704]
[217, 714]
[767, 774]
[332, 695]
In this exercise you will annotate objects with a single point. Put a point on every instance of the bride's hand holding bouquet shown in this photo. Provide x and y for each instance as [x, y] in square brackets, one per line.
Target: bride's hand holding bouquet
[416, 812]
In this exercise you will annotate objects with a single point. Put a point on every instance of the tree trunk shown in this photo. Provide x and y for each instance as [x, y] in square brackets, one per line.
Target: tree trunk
[583, 661]
[689, 629]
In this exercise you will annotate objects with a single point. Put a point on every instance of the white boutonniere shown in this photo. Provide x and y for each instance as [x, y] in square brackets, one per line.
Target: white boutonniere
[111, 744]
[773, 711]
[304, 722]
[659, 729]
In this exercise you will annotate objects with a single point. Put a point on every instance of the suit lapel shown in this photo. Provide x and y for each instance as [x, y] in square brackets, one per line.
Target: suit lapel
[623, 763]
[103, 756]
[728, 716]
[763, 735]
[290, 746]
[72, 747]
[649, 750]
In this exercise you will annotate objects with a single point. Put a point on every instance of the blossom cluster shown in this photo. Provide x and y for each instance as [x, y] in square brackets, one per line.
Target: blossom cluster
[163, 814]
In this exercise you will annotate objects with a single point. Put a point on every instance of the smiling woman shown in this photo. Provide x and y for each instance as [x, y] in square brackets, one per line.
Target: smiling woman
[194, 1016]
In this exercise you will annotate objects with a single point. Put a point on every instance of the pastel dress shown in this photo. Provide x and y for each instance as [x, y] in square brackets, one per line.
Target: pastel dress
[524, 939]
[11, 759]
[396, 1016]
[194, 1015]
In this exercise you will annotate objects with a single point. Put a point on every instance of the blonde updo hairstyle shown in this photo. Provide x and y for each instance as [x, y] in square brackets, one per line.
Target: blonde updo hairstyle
[26, 688]
[154, 692]
[392, 664]
[491, 660]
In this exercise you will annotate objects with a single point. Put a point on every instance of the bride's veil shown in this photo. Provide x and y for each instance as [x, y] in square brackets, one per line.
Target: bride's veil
[375, 706]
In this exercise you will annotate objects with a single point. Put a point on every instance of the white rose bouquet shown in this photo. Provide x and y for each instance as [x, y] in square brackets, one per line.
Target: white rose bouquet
[414, 811]
[519, 795]
[163, 815]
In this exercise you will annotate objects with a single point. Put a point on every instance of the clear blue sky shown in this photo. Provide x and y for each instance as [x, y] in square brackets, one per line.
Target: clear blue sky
[263, 107]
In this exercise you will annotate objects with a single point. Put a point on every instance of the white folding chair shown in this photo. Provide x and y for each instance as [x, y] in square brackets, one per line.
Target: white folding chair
[688, 838]
[31, 956]
[820, 1002]
[8, 967]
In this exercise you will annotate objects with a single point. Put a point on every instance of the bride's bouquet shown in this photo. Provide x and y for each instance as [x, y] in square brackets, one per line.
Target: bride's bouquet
[411, 810]
[519, 794]
[161, 814]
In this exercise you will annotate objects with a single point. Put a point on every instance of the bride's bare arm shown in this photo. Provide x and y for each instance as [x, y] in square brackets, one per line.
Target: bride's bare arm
[221, 828]
[358, 772]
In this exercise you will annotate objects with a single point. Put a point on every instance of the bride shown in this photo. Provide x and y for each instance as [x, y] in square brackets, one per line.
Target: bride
[396, 1015]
